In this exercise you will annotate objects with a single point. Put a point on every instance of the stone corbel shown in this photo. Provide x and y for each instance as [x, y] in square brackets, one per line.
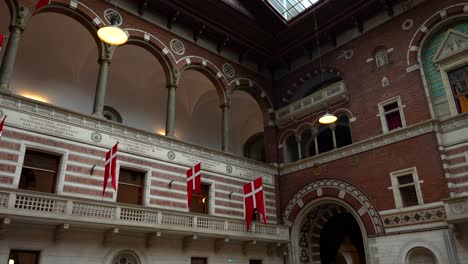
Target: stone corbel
[274, 249]
[4, 227]
[110, 235]
[153, 238]
[247, 245]
[220, 243]
[60, 232]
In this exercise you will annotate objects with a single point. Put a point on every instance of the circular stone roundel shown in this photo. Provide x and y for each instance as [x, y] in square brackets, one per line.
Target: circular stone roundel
[177, 46]
[407, 24]
[112, 15]
[228, 70]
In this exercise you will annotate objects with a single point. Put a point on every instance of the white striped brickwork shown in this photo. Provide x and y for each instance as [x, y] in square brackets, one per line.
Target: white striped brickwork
[455, 162]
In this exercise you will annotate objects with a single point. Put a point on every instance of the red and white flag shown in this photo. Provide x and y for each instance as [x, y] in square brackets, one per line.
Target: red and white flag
[110, 168]
[40, 4]
[2, 124]
[193, 182]
[2, 38]
[254, 198]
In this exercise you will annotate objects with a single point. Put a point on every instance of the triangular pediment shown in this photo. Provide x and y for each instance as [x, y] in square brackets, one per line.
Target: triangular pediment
[454, 43]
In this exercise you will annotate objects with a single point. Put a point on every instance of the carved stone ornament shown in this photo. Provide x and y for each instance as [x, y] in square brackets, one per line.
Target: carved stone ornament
[228, 70]
[407, 24]
[177, 47]
[316, 169]
[348, 54]
[96, 137]
[171, 155]
[458, 208]
[229, 169]
[113, 16]
[455, 42]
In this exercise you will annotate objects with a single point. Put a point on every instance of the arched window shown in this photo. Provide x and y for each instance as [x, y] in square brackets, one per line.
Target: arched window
[111, 114]
[126, 257]
[325, 139]
[381, 57]
[421, 255]
[254, 148]
[307, 144]
[291, 151]
[343, 132]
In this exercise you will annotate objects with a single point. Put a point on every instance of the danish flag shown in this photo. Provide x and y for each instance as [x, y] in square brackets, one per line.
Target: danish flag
[2, 124]
[193, 183]
[254, 198]
[2, 38]
[40, 4]
[110, 167]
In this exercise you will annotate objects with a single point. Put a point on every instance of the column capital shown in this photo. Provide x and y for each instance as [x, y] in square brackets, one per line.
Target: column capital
[225, 105]
[104, 59]
[19, 27]
[172, 85]
[332, 126]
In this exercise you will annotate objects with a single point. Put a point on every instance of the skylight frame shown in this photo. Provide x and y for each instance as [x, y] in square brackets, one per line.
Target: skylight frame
[290, 9]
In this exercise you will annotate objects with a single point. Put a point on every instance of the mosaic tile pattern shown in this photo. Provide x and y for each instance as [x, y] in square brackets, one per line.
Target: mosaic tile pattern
[415, 217]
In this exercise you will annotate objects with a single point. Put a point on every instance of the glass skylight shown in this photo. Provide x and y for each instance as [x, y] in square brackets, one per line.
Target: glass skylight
[289, 9]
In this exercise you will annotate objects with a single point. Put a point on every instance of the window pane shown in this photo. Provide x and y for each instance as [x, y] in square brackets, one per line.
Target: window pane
[291, 8]
[39, 171]
[391, 106]
[459, 83]
[131, 177]
[129, 194]
[405, 179]
[36, 159]
[408, 196]
[393, 120]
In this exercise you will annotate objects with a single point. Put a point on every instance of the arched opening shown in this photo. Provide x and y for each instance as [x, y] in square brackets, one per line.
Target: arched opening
[325, 138]
[246, 121]
[420, 255]
[343, 132]
[307, 144]
[329, 233]
[55, 68]
[136, 88]
[315, 84]
[291, 150]
[341, 241]
[254, 147]
[5, 20]
[198, 113]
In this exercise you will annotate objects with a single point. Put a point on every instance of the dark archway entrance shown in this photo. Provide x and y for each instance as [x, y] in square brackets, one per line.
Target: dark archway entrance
[341, 241]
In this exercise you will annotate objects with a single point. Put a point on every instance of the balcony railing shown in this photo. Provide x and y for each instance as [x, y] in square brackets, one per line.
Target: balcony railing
[18, 203]
[329, 95]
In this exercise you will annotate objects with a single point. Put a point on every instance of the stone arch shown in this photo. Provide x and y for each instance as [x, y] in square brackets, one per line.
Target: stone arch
[304, 126]
[435, 21]
[261, 97]
[81, 13]
[407, 250]
[13, 8]
[214, 76]
[158, 54]
[286, 134]
[310, 222]
[341, 190]
[310, 74]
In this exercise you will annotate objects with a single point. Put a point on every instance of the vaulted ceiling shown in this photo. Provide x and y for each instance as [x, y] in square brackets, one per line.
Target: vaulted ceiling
[254, 29]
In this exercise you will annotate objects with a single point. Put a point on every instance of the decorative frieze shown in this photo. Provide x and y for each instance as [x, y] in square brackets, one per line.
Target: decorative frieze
[414, 217]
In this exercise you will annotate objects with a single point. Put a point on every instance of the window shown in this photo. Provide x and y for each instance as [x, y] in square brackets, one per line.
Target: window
[126, 257]
[381, 58]
[198, 261]
[23, 257]
[325, 139]
[255, 261]
[343, 132]
[291, 150]
[421, 255]
[459, 83]
[111, 114]
[289, 9]
[307, 144]
[254, 148]
[200, 201]
[130, 189]
[39, 172]
[406, 188]
[391, 114]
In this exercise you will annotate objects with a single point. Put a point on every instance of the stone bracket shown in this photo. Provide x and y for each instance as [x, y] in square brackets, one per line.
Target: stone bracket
[220, 243]
[110, 235]
[247, 245]
[4, 227]
[153, 239]
[60, 232]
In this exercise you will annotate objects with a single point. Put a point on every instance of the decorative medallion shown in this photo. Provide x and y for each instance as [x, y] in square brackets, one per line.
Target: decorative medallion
[316, 169]
[171, 155]
[228, 70]
[111, 15]
[177, 46]
[354, 161]
[348, 54]
[228, 169]
[96, 137]
[407, 24]
[458, 208]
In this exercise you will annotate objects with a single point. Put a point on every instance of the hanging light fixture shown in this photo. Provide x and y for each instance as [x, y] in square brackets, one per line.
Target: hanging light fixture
[327, 119]
[113, 34]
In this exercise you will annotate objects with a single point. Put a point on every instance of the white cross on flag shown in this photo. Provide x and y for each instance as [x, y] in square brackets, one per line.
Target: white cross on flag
[110, 167]
[2, 124]
[193, 182]
[254, 198]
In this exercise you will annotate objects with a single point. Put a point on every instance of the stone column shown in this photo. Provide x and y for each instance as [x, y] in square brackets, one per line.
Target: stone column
[315, 133]
[226, 127]
[171, 108]
[101, 86]
[9, 58]
[299, 148]
[333, 127]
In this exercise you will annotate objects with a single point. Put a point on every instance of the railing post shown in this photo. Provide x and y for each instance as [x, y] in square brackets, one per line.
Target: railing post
[69, 209]
[253, 228]
[11, 201]
[118, 210]
[195, 220]
[226, 225]
[160, 217]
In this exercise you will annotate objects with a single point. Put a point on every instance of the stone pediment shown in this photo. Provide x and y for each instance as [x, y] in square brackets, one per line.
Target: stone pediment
[454, 43]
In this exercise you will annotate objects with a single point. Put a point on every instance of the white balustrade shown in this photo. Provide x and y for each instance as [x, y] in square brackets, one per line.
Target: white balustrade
[56, 207]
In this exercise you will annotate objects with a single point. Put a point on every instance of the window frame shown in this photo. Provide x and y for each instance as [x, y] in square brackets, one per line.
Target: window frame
[385, 52]
[396, 186]
[382, 113]
[37, 252]
[145, 199]
[61, 168]
[454, 62]
[210, 197]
